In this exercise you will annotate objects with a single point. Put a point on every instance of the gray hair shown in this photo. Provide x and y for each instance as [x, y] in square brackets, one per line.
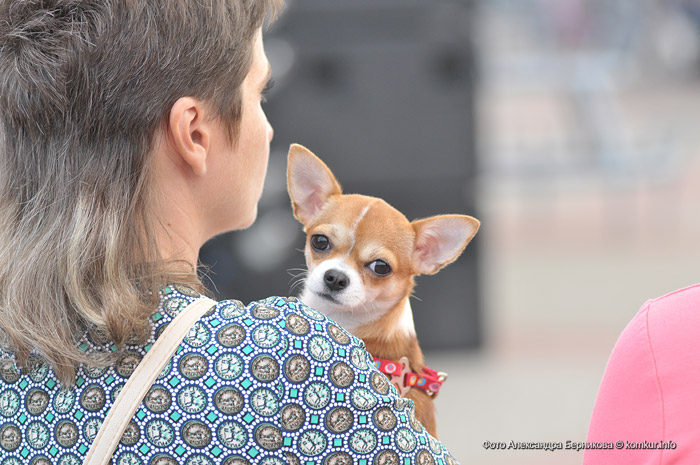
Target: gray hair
[84, 87]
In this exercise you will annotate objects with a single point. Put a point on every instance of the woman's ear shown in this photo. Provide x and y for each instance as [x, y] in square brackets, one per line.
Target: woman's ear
[190, 129]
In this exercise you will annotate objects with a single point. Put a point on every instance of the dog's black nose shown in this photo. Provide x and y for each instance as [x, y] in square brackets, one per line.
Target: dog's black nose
[336, 280]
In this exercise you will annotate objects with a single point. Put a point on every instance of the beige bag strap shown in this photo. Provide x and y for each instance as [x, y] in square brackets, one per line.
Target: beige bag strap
[141, 380]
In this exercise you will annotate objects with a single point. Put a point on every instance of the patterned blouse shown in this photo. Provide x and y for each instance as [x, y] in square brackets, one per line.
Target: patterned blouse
[275, 382]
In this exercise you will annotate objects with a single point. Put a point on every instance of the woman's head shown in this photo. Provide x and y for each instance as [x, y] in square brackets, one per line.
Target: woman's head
[85, 87]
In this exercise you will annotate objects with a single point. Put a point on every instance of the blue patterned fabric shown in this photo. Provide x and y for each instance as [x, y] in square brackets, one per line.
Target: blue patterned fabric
[275, 382]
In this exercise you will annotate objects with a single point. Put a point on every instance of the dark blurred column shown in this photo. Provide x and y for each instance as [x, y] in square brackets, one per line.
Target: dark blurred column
[383, 92]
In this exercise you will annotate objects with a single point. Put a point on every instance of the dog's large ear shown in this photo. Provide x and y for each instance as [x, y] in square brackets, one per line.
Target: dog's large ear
[440, 240]
[309, 182]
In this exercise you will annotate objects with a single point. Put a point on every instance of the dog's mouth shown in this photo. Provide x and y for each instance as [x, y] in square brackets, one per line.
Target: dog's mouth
[329, 297]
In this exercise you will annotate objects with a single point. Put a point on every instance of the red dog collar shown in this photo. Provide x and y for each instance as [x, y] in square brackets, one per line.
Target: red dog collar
[400, 376]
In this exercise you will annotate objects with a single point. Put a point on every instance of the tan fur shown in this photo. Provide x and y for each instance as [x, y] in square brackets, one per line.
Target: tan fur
[362, 229]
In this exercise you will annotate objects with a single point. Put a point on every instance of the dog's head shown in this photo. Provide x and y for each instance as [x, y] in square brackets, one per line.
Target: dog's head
[362, 253]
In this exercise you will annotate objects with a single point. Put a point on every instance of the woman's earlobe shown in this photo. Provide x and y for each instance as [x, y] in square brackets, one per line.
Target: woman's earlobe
[189, 129]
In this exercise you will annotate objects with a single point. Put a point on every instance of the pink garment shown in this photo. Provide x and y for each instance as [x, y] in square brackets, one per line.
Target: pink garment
[651, 386]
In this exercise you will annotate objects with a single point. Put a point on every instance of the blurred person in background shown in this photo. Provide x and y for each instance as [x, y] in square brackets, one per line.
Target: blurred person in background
[647, 403]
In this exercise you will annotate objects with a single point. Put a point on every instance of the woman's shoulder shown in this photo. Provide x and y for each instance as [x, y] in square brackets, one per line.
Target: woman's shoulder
[270, 315]
[680, 298]
[670, 314]
[276, 366]
[663, 333]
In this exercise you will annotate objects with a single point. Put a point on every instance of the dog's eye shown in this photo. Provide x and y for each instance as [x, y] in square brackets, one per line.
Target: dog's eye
[320, 242]
[380, 267]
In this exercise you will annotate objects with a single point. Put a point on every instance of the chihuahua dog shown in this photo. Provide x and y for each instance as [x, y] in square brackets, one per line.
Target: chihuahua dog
[362, 255]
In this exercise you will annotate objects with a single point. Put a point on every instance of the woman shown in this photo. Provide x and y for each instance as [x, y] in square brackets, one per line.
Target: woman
[131, 133]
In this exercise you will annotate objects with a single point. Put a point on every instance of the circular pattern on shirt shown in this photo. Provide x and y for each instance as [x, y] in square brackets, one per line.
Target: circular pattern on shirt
[160, 433]
[434, 445]
[338, 458]
[175, 305]
[11, 461]
[264, 402]
[232, 309]
[450, 460]
[63, 401]
[268, 436]
[198, 335]
[264, 313]
[158, 399]
[362, 399]
[312, 442]
[339, 420]
[297, 368]
[236, 461]
[265, 368]
[9, 402]
[193, 366]
[387, 457]
[66, 433]
[342, 375]
[162, 459]
[72, 459]
[228, 366]
[166, 369]
[186, 290]
[40, 460]
[312, 313]
[129, 458]
[384, 419]
[116, 391]
[93, 371]
[131, 434]
[405, 440]
[198, 460]
[424, 458]
[133, 339]
[127, 363]
[38, 434]
[272, 461]
[292, 417]
[266, 336]
[231, 335]
[192, 399]
[93, 398]
[8, 372]
[363, 441]
[196, 434]
[320, 348]
[91, 428]
[358, 357]
[400, 403]
[37, 368]
[379, 383]
[317, 395]
[292, 459]
[10, 437]
[297, 324]
[232, 435]
[338, 335]
[413, 421]
[161, 329]
[228, 400]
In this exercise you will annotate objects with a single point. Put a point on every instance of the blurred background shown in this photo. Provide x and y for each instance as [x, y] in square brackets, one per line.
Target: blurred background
[568, 127]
